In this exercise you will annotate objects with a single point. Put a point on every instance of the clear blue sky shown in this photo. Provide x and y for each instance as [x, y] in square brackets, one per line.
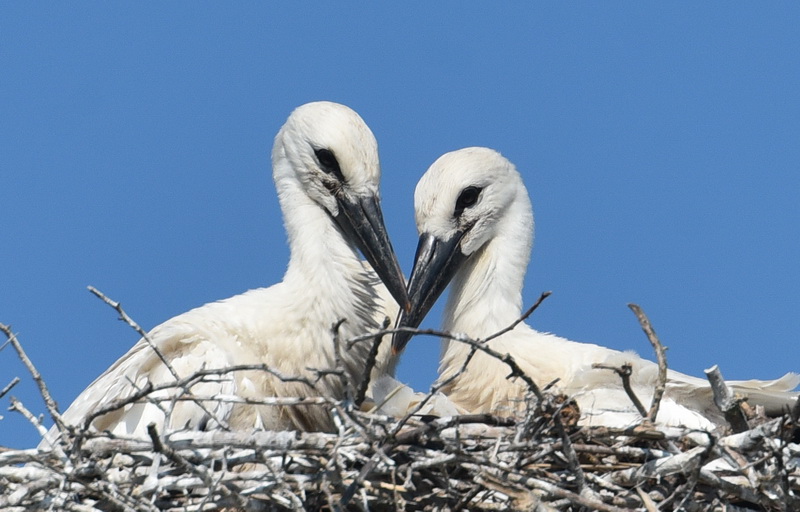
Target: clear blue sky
[660, 144]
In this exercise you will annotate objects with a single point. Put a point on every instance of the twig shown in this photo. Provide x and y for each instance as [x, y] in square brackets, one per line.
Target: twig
[128, 320]
[52, 406]
[625, 372]
[475, 345]
[146, 338]
[726, 401]
[569, 451]
[449, 335]
[548, 487]
[521, 319]
[414, 436]
[188, 382]
[16, 405]
[372, 357]
[661, 356]
[9, 387]
[188, 467]
[509, 360]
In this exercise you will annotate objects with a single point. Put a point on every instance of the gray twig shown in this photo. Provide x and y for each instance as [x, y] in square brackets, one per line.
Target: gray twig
[624, 373]
[661, 356]
[52, 406]
[128, 320]
[725, 400]
[9, 387]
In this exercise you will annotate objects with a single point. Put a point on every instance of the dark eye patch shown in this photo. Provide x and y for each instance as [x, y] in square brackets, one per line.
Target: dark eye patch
[328, 162]
[467, 198]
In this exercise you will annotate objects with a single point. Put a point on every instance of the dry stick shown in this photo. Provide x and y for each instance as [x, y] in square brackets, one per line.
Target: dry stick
[726, 401]
[116, 499]
[188, 467]
[128, 320]
[516, 371]
[477, 345]
[52, 406]
[625, 372]
[16, 405]
[189, 452]
[661, 356]
[372, 358]
[532, 482]
[338, 367]
[10, 385]
[275, 401]
[569, 451]
[189, 381]
[413, 436]
[776, 454]
[521, 319]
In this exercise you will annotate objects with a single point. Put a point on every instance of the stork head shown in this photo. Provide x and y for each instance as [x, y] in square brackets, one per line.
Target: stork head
[460, 205]
[331, 152]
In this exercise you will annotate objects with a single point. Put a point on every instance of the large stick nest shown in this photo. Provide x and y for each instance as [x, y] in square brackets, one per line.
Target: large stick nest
[541, 460]
[469, 462]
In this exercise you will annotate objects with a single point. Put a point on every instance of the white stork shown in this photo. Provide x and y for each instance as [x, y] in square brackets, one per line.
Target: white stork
[476, 230]
[326, 171]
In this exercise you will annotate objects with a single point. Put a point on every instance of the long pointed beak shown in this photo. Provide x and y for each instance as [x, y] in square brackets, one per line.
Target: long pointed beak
[362, 221]
[435, 264]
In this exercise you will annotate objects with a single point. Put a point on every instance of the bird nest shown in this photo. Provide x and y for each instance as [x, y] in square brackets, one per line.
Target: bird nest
[373, 462]
[537, 460]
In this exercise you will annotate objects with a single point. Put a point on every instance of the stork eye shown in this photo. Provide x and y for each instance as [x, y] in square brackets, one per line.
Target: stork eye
[327, 160]
[467, 198]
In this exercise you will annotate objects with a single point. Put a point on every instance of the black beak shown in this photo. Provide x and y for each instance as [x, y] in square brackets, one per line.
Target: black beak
[362, 222]
[435, 265]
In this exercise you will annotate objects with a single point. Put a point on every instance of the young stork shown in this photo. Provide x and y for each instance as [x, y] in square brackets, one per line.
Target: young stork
[476, 229]
[326, 171]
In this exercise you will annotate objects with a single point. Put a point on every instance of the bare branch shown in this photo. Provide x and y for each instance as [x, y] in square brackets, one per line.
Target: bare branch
[625, 372]
[188, 467]
[128, 320]
[372, 357]
[16, 405]
[52, 406]
[508, 359]
[187, 383]
[661, 356]
[9, 387]
[522, 318]
[726, 401]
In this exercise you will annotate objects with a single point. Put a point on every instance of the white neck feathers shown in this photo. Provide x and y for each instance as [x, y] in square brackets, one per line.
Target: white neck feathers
[493, 276]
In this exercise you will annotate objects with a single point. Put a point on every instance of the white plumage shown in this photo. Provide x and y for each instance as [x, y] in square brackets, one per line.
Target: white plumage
[476, 228]
[326, 171]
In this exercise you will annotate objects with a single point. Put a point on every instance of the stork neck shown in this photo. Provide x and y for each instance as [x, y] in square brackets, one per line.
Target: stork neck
[321, 259]
[486, 294]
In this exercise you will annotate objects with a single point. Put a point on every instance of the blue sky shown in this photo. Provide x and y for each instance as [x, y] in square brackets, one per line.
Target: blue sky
[660, 145]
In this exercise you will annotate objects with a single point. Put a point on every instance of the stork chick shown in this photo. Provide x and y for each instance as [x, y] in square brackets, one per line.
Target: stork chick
[326, 171]
[476, 229]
